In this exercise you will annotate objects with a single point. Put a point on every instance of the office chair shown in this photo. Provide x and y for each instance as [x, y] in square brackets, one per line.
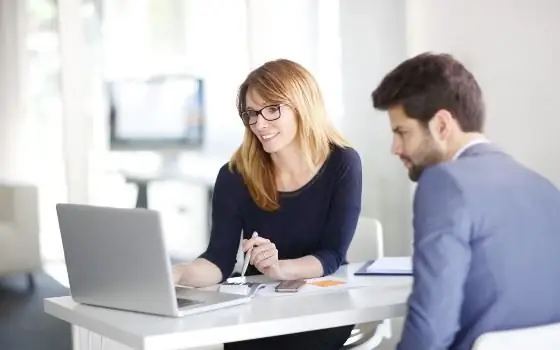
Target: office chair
[367, 244]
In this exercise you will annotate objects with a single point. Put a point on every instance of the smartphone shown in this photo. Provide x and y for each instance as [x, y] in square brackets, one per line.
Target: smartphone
[289, 286]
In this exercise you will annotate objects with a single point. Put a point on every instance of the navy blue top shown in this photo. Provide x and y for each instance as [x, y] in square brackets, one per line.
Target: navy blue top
[319, 219]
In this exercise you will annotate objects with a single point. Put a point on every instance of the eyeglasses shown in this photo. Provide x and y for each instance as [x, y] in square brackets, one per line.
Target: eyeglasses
[269, 113]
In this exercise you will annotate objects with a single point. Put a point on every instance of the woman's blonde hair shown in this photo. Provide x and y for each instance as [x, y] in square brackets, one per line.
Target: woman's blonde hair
[283, 81]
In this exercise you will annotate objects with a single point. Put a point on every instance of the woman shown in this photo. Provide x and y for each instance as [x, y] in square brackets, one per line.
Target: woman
[294, 181]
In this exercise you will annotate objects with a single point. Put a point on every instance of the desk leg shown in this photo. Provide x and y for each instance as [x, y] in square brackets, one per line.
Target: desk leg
[142, 197]
[209, 194]
[83, 339]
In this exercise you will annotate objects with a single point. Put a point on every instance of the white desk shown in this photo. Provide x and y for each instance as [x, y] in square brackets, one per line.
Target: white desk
[384, 297]
[200, 169]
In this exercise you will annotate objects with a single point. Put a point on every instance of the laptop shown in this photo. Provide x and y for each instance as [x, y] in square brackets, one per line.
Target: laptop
[117, 258]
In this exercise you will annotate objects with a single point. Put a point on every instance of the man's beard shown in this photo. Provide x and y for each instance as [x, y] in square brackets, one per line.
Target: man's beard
[428, 154]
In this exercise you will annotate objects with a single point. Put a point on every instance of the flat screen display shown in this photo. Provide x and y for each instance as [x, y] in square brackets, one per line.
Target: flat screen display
[159, 113]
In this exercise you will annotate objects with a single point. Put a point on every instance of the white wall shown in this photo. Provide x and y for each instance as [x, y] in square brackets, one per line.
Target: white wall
[508, 44]
[17, 131]
[221, 57]
[512, 48]
[373, 41]
[313, 42]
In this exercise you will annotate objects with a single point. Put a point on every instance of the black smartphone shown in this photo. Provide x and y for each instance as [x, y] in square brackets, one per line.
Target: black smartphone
[289, 286]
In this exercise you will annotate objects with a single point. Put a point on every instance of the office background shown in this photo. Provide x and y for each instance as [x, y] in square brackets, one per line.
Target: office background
[56, 56]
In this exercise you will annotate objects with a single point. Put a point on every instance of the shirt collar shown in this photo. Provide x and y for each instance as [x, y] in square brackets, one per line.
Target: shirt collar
[469, 144]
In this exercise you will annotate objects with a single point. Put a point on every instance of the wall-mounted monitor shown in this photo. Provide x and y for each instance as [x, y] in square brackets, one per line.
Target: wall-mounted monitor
[164, 113]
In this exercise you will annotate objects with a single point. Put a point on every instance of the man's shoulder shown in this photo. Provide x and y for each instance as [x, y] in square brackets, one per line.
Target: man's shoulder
[439, 175]
[476, 179]
[437, 189]
[458, 173]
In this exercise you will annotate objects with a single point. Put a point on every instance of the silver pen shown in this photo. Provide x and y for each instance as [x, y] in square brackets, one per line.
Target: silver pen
[247, 258]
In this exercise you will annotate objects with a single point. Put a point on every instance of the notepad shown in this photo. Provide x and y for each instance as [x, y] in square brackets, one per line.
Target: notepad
[388, 266]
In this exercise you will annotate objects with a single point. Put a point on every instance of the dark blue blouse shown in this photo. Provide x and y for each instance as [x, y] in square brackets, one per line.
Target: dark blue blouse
[319, 219]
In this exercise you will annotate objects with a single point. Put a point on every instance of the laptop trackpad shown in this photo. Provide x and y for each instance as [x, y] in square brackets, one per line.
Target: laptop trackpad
[183, 303]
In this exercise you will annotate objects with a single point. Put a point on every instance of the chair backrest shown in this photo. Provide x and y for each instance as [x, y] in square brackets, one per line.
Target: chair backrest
[367, 243]
[19, 206]
[538, 337]
[19, 227]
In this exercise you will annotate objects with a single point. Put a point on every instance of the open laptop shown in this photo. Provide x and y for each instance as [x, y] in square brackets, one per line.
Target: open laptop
[117, 258]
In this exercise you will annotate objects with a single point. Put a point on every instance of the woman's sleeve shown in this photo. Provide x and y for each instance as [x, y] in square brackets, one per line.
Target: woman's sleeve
[343, 214]
[225, 232]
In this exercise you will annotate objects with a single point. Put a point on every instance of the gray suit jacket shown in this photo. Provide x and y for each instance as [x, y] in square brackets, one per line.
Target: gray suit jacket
[486, 251]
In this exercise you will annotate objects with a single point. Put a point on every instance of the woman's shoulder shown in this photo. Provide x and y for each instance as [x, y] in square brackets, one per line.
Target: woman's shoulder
[229, 176]
[345, 157]
[229, 180]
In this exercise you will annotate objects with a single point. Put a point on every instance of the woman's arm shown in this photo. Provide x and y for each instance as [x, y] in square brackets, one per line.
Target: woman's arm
[197, 273]
[217, 262]
[341, 222]
[264, 257]
[339, 230]
[301, 268]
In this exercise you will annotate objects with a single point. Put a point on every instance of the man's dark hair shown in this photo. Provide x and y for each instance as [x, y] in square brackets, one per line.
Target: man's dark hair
[426, 83]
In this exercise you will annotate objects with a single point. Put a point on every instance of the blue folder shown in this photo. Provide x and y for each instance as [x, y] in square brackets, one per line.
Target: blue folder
[363, 271]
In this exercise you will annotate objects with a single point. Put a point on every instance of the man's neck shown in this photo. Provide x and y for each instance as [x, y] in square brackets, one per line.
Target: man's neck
[462, 141]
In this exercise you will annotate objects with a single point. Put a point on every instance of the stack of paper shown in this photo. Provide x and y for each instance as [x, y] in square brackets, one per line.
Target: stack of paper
[391, 266]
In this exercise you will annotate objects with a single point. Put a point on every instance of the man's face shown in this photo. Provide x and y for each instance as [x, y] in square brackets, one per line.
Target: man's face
[413, 143]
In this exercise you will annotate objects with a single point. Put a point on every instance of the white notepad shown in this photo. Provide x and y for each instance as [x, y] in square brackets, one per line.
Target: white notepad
[391, 265]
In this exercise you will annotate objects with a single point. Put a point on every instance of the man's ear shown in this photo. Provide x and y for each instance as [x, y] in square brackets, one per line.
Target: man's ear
[442, 124]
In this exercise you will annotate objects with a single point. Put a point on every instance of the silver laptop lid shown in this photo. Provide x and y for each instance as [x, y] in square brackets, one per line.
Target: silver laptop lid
[117, 258]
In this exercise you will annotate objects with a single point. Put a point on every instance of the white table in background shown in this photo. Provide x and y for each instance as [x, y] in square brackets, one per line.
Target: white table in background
[196, 169]
[99, 328]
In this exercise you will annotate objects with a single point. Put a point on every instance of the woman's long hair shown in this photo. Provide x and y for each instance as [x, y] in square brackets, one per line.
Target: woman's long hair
[283, 81]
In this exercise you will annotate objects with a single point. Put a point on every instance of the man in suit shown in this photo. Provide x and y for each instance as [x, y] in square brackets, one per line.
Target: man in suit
[486, 228]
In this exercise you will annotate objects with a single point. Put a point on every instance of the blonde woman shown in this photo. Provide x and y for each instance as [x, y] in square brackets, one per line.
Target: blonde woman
[296, 182]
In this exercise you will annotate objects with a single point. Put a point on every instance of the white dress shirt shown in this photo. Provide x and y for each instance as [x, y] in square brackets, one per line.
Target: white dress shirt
[469, 144]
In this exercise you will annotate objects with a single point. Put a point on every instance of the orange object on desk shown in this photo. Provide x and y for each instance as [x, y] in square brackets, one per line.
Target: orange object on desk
[326, 283]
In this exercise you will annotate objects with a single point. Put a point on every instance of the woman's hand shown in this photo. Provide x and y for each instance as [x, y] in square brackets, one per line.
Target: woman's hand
[197, 273]
[264, 257]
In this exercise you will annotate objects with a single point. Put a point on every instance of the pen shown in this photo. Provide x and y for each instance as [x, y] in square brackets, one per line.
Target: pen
[248, 257]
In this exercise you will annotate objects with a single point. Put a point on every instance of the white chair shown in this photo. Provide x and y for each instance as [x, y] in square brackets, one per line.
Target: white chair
[19, 230]
[545, 337]
[367, 244]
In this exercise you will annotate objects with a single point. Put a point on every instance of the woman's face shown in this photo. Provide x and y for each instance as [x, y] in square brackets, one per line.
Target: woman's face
[275, 125]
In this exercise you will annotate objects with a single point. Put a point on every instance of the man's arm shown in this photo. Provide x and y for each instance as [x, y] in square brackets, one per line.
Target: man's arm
[441, 259]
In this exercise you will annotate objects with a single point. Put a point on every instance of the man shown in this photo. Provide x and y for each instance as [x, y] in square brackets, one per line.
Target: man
[486, 228]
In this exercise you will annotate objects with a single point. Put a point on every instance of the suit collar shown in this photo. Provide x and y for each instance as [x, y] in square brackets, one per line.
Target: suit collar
[468, 145]
[481, 148]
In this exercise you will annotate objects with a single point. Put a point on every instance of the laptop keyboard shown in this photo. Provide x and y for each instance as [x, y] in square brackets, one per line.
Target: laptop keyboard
[181, 303]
